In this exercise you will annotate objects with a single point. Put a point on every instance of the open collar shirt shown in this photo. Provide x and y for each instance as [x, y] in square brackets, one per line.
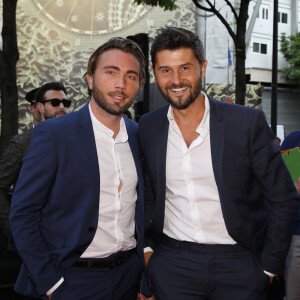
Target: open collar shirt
[193, 209]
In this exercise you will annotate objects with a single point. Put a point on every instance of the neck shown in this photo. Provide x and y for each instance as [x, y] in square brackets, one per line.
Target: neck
[110, 121]
[192, 114]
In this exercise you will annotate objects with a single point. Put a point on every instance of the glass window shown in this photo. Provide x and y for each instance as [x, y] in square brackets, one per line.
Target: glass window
[255, 47]
[265, 13]
[284, 18]
[263, 48]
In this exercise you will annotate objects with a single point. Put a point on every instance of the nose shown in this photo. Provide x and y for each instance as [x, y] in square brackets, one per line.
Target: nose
[61, 106]
[120, 82]
[176, 79]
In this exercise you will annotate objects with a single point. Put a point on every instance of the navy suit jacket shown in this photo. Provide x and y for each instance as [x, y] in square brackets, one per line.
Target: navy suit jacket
[55, 206]
[249, 174]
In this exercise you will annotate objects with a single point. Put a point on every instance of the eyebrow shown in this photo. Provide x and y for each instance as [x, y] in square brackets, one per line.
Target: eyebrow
[118, 69]
[183, 65]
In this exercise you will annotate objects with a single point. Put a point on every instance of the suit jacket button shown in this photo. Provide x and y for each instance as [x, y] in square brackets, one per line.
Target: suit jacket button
[91, 229]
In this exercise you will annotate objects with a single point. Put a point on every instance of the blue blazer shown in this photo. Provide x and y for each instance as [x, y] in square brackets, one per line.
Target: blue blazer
[54, 210]
[258, 198]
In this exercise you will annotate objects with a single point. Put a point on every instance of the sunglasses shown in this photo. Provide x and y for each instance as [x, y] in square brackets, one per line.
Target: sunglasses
[56, 102]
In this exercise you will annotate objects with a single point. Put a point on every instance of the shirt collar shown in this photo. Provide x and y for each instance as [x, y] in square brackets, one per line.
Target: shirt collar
[122, 136]
[203, 127]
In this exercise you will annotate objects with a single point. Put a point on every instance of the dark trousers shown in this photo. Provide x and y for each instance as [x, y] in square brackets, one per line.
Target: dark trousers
[190, 271]
[117, 283]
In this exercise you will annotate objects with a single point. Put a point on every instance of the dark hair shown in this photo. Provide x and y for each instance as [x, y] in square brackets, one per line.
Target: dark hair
[124, 45]
[57, 86]
[173, 38]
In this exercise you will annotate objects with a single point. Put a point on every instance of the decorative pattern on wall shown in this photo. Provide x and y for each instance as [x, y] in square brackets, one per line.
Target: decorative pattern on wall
[56, 39]
[226, 93]
[91, 18]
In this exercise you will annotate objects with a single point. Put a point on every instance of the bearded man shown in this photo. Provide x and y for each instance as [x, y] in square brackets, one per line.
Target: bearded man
[77, 212]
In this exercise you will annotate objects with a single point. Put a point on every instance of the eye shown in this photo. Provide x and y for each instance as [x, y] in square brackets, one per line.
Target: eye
[110, 72]
[186, 68]
[132, 77]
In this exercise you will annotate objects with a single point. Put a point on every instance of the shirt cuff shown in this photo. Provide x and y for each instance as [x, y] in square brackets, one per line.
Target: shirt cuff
[55, 287]
[270, 274]
[148, 249]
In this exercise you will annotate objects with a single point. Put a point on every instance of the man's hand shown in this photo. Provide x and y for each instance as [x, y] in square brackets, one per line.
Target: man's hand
[49, 296]
[271, 279]
[142, 297]
[147, 256]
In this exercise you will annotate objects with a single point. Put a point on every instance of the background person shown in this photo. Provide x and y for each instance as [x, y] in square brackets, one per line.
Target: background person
[292, 268]
[11, 160]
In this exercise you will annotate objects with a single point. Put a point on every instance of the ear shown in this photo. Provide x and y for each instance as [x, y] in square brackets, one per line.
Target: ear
[89, 80]
[40, 107]
[203, 69]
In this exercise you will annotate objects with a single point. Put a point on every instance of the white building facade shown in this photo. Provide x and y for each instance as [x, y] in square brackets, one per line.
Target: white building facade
[259, 44]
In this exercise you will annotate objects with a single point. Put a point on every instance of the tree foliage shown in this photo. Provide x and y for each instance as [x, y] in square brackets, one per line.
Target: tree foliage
[165, 4]
[290, 48]
[240, 16]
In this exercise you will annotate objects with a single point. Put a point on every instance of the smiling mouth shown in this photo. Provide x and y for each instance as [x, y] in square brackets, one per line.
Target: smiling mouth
[118, 96]
[179, 90]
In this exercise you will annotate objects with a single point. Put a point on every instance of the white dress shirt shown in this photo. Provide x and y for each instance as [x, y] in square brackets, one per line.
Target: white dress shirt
[193, 209]
[116, 225]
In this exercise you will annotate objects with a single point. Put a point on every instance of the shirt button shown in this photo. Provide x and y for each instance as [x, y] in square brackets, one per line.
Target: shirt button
[91, 229]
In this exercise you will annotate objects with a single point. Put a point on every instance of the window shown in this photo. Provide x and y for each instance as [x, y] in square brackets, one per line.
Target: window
[255, 47]
[265, 13]
[282, 18]
[263, 48]
[260, 48]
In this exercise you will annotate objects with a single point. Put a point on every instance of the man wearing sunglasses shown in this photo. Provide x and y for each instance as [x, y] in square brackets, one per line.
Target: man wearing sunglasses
[10, 166]
[51, 100]
[77, 213]
[11, 160]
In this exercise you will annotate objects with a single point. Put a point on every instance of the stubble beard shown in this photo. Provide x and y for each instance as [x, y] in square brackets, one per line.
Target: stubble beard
[115, 109]
[180, 103]
[56, 114]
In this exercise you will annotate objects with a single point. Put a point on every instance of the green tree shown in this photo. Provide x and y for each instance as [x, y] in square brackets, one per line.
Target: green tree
[240, 15]
[290, 48]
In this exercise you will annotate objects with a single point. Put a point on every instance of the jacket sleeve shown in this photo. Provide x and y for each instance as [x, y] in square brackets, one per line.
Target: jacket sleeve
[10, 165]
[149, 195]
[278, 189]
[28, 202]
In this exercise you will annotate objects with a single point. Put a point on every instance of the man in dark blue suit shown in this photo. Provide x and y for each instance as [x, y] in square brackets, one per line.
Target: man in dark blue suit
[212, 170]
[77, 212]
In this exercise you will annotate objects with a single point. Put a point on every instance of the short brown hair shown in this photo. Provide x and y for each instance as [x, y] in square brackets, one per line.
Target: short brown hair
[124, 45]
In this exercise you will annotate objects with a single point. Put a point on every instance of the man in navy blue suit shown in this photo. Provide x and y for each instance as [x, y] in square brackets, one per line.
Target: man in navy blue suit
[77, 212]
[212, 170]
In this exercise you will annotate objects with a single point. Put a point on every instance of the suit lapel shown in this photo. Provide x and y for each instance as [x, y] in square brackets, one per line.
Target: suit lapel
[217, 131]
[88, 146]
[134, 147]
[217, 137]
[162, 130]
